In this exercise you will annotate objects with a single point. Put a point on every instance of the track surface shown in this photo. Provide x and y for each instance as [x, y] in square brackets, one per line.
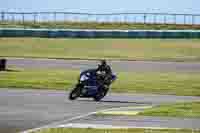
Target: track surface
[125, 66]
[137, 121]
[24, 109]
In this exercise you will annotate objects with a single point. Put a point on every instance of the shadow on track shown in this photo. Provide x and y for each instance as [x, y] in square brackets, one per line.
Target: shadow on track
[11, 70]
[114, 101]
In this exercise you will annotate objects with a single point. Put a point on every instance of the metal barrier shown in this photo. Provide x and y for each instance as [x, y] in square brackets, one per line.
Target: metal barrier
[145, 18]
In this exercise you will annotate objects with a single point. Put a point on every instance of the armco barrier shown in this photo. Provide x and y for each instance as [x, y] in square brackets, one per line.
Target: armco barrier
[72, 33]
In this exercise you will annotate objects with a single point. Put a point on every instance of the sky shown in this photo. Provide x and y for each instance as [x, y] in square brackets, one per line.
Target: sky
[103, 6]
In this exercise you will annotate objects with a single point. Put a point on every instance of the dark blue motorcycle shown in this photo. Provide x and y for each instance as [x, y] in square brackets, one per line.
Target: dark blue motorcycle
[91, 85]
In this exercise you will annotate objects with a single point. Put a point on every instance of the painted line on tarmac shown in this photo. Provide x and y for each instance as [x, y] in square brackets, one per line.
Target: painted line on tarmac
[128, 113]
[56, 123]
[102, 126]
[124, 111]
[96, 126]
[52, 125]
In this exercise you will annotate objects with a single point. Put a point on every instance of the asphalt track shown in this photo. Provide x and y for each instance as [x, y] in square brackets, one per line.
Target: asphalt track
[123, 66]
[26, 109]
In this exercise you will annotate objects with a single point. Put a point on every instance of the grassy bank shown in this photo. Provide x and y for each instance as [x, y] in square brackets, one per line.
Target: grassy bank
[186, 110]
[132, 49]
[73, 130]
[135, 82]
[95, 25]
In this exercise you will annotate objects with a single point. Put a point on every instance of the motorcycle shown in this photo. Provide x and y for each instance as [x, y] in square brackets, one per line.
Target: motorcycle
[90, 85]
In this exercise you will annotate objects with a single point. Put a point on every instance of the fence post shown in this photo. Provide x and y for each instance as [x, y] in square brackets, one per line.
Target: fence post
[184, 19]
[13, 17]
[174, 18]
[154, 19]
[125, 18]
[145, 16]
[97, 19]
[54, 16]
[2, 16]
[34, 17]
[165, 19]
[193, 19]
[2, 64]
[23, 20]
[65, 16]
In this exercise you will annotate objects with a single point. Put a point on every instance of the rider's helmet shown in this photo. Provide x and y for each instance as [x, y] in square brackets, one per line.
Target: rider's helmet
[101, 66]
[103, 62]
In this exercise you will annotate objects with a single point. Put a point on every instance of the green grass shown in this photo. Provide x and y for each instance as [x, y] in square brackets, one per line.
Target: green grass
[127, 49]
[133, 82]
[94, 25]
[39, 79]
[74, 130]
[186, 110]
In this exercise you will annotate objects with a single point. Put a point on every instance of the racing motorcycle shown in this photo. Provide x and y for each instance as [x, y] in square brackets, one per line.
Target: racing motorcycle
[90, 85]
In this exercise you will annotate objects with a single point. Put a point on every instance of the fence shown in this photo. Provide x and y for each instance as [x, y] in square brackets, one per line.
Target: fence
[146, 18]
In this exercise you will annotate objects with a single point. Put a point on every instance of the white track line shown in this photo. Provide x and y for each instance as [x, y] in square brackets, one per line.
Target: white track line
[56, 123]
[74, 118]
[102, 126]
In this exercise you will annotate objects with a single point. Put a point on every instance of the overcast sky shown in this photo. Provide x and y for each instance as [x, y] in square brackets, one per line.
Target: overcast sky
[103, 6]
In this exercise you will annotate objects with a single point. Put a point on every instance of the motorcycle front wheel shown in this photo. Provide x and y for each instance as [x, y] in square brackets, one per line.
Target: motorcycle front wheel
[75, 93]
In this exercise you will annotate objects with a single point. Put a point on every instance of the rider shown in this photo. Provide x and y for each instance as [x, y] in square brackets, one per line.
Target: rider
[103, 67]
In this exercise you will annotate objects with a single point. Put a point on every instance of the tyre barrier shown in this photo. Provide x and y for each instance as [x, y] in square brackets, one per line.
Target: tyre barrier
[2, 64]
[79, 33]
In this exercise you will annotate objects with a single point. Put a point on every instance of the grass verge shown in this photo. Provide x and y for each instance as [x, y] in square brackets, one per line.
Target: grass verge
[134, 82]
[95, 25]
[127, 49]
[75, 130]
[186, 110]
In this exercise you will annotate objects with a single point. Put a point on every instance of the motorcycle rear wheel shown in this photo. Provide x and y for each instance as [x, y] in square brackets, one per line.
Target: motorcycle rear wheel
[101, 94]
